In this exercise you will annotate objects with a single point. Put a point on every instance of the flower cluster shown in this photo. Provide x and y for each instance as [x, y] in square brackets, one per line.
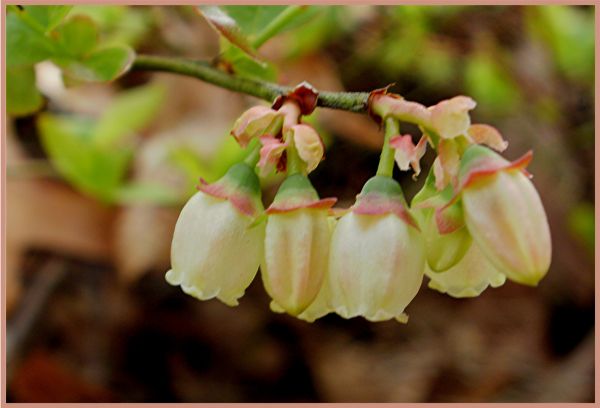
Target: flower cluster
[477, 221]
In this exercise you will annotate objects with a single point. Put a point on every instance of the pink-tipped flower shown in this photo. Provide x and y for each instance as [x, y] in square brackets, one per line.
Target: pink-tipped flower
[255, 122]
[377, 255]
[469, 277]
[505, 215]
[296, 245]
[216, 249]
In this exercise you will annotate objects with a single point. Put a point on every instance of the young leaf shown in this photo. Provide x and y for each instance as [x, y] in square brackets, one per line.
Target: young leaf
[260, 23]
[47, 17]
[102, 65]
[22, 96]
[96, 171]
[24, 45]
[77, 37]
[222, 23]
[244, 66]
[129, 112]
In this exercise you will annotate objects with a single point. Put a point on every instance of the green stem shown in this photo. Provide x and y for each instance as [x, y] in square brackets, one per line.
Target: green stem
[277, 24]
[348, 101]
[254, 156]
[294, 162]
[386, 160]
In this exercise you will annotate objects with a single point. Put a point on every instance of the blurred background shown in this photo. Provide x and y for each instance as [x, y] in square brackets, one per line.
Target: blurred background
[90, 317]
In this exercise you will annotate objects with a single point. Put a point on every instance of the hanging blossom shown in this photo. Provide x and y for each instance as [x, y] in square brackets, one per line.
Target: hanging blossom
[216, 247]
[477, 221]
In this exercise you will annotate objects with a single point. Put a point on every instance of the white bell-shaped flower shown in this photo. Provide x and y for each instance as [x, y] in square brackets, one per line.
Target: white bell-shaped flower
[296, 245]
[377, 255]
[216, 249]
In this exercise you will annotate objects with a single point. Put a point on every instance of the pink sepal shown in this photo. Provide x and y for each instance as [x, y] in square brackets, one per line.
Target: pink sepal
[291, 205]
[378, 204]
[486, 167]
[240, 200]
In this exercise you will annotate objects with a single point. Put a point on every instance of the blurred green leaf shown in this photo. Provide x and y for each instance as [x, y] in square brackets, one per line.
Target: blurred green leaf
[244, 66]
[490, 85]
[253, 19]
[77, 36]
[47, 17]
[228, 27]
[118, 24]
[22, 96]
[24, 45]
[582, 225]
[324, 26]
[94, 170]
[569, 32]
[145, 193]
[101, 65]
[128, 113]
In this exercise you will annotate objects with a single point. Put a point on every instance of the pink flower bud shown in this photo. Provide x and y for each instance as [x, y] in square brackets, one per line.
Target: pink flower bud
[505, 215]
[296, 245]
[255, 122]
[216, 248]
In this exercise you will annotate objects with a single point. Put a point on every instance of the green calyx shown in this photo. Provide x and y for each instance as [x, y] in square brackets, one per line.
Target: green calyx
[296, 187]
[474, 155]
[383, 185]
[242, 177]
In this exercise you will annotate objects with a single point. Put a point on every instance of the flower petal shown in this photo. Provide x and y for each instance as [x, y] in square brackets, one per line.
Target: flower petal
[488, 135]
[406, 153]
[309, 145]
[253, 123]
[450, 118]
[270, 153]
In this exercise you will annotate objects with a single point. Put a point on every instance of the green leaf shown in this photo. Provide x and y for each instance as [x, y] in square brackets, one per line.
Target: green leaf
[102, 65]
[146, 193]
[492, 86]
[244, 66]
[129, 113]
[225, 25]
[47, 17]
[77, 37]
[24, 45]
[569, 33]
[96, 171]
[22, 96]
[581, 223]
[253, 19]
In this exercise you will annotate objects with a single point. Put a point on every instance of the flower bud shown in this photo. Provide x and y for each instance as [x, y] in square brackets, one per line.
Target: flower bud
[445, 247]
[377, 255]
[256, 122]
[469, 277]
[505, 215]
[216, 250]
[296, 245]
[309, 145]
